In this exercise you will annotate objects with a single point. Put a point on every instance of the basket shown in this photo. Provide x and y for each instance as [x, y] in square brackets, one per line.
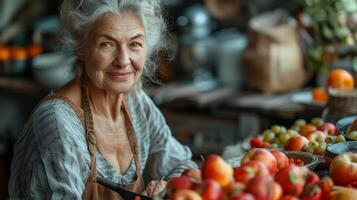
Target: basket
[272, 61]
[341, 103]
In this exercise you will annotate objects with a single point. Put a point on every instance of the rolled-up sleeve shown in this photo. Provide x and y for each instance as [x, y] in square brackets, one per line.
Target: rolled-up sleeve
[167, 157]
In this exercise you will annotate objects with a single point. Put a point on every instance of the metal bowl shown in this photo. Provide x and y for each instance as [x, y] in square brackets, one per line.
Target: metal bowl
[336, 149]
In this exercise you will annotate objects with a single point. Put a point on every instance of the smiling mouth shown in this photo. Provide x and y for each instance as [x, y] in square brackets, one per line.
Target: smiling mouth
[119, 75]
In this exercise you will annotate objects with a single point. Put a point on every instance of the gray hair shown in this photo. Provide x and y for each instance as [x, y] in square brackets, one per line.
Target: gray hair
[78, 15]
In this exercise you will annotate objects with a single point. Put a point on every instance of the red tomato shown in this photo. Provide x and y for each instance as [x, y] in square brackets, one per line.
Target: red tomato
[258, 143]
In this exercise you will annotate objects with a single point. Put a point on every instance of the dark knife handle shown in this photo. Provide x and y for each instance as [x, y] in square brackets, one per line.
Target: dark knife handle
[126, 194]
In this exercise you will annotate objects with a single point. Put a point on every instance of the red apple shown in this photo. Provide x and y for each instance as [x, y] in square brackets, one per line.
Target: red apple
[281, 159]
[296, 143]
[233, 189]
[343, 168]
[328, 128]
[194, 173]
[178, 183]
[185, 194]
[264, 188]
[326, 185]
[289, 197]
[291, 179]
[318, 136]
[243, 196]
[209, 190]
[215, 168]
[248, 170]
[262, 155]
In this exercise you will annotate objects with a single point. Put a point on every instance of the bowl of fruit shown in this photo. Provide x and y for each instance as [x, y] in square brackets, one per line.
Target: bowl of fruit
[348, 127]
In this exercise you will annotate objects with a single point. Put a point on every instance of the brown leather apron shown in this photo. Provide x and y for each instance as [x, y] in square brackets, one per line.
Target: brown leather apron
[94, 190]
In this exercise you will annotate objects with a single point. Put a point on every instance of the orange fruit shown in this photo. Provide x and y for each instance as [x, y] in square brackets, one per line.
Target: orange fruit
[319, 95]
[307, 129]
[340, 78]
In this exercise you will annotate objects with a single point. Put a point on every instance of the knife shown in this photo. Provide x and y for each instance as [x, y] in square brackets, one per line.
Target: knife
[125, 194]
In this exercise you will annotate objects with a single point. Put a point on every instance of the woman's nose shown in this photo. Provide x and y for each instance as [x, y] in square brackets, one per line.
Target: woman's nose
[122, 58]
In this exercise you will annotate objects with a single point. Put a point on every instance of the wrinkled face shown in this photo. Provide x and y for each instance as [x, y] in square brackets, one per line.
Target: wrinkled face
[114, 52]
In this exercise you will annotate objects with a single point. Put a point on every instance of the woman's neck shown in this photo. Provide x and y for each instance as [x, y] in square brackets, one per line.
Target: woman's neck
[103, 102]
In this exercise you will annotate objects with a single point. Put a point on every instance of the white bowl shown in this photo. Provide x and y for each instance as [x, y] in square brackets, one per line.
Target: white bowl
[53, 70]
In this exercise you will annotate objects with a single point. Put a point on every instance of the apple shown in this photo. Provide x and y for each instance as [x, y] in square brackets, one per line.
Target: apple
[264, 188]
[318, 136]
[194, 173]
[243, 196]
[262, 155]
[296, 143]
[209, 190]
[343, 168]
[281, 159]
[326, 185]
[291, 179]
[215, 168]
[185, 194]
[289, 197]
[328, 128]
[312, 192]
[178, 183]
[248, 170]
[234, 189]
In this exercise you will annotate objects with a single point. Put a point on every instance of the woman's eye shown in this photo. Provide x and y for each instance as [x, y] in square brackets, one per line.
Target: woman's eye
[105, 45]
[136, 44]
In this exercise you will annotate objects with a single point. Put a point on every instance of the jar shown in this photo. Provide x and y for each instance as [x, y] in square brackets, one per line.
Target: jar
[341, 103]
[4, 61]
[18, 61]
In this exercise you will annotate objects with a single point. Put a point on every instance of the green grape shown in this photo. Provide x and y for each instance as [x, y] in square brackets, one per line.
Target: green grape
[317, 121]
[292, 132]
[330, 139]
[283, 138]
[295, 127]
[340, 138]
[282, 130]
[275, 129]
[310, 149]
[300, 122]
[352, 135]
[313, 144]
[268, 136]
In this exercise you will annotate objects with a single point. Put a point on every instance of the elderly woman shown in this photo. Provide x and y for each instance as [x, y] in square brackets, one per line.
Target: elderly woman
[101, 124]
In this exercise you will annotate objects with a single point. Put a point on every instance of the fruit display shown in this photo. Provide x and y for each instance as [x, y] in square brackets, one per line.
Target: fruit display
[255, 179]
[313, 136]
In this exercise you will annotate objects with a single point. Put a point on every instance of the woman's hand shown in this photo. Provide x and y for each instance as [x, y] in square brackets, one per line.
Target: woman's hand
[154, 187]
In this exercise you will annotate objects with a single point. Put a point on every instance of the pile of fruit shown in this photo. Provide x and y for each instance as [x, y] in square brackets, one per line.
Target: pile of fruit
[311, 137]
[262, 175]
[352, 131]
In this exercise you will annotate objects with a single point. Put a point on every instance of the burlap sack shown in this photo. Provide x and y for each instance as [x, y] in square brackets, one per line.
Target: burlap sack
[272, 61]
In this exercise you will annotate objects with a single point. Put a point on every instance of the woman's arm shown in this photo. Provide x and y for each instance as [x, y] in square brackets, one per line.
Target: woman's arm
[167, 157]
[54, 168]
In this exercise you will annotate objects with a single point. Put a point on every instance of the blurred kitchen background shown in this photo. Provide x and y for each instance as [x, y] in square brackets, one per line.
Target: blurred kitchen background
[234, 67]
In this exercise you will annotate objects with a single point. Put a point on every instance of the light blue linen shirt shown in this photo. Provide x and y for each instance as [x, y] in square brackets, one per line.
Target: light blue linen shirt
[51, 158]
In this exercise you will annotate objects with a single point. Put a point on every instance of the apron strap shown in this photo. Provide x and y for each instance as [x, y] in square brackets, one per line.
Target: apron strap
[89, 127]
